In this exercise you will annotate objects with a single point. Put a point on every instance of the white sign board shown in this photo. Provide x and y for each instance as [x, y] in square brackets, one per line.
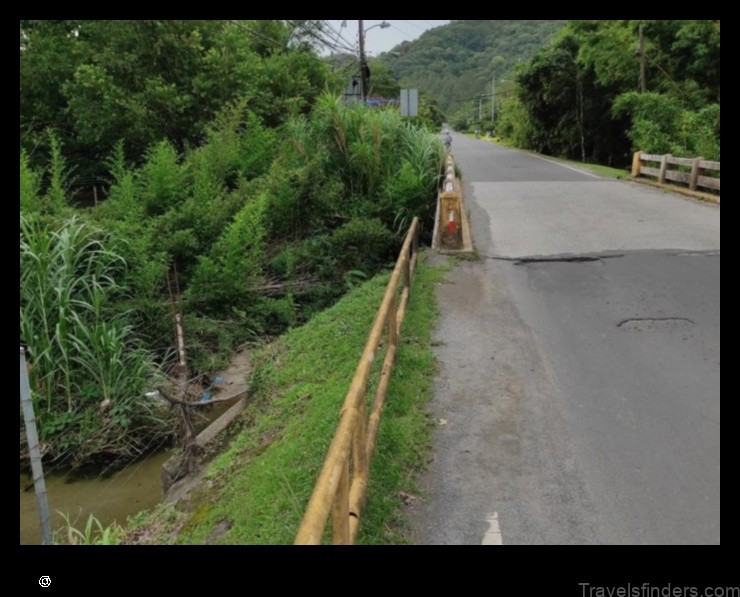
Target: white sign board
[409, 102]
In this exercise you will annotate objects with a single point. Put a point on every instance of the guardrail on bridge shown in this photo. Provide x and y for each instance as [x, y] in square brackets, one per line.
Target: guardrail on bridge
[693, 177]
[341, 487]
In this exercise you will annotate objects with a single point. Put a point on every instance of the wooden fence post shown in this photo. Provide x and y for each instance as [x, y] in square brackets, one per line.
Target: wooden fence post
[636, 164]
[663, 168]
[694, 173]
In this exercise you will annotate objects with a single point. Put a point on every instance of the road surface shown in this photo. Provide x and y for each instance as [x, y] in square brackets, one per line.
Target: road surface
[578, 396]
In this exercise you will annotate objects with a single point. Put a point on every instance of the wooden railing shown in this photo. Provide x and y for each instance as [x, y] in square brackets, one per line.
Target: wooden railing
[341, 487]
[693, 178]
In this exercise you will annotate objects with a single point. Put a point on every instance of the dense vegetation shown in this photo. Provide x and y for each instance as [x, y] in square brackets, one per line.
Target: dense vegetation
[98, 82]
[580, 97]
[454, 63]
[260, 486]
[229, 171]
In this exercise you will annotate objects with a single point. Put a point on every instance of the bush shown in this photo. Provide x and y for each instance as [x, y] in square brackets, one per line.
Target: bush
[363, 244]
[661, 124]
[30, 183]
[222, 279]
[162, 179]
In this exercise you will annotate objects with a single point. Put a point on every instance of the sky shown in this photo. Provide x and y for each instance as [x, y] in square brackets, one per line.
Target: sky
[379, 39]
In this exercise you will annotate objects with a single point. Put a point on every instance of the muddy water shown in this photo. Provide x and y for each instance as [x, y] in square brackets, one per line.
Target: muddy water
[123, 493]
[111, 498]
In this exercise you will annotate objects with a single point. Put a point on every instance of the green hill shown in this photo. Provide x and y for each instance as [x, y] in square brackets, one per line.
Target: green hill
[455, 62]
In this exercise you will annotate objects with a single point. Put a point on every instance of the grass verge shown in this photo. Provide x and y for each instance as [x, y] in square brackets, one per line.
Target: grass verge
[260, 485]
[606, 171]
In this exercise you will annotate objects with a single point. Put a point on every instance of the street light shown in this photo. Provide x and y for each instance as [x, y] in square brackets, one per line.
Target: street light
[383, 25]
[363, 62]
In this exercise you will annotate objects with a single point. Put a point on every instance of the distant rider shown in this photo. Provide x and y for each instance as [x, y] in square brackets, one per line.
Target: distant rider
[447, 139]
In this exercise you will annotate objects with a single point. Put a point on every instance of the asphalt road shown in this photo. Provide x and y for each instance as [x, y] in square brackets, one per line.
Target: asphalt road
[578, 397]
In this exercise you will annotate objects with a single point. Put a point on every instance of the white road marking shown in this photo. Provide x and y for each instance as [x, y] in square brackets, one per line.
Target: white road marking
[564, 165]
[493, 534]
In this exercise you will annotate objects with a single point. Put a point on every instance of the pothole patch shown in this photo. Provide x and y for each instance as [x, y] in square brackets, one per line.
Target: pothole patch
[656, 324]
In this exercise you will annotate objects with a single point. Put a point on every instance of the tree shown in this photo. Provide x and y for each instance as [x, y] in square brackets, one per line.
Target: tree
[143, 81]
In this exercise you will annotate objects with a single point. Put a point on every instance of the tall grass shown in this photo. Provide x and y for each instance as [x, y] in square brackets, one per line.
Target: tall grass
[81, 353]
[367, 148]
[94, 533]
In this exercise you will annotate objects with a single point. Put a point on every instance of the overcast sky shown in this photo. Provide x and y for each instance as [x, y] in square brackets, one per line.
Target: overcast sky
[380, 39]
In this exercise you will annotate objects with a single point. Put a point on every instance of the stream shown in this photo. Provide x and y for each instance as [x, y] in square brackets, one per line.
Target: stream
[110, 498]
[120, 494]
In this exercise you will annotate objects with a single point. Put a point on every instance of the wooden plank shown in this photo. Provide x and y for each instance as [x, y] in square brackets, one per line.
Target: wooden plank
[678, 176]
[650, 157]
[646, 171]
[681, 161]
[709, 165]
[708, 182]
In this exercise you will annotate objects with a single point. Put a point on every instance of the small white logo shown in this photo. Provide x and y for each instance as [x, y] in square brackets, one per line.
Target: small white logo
[45, 581]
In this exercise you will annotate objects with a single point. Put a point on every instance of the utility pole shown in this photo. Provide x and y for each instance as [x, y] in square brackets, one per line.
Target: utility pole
[640, 51]
[363, 62]
[493, 99]
[34, 450]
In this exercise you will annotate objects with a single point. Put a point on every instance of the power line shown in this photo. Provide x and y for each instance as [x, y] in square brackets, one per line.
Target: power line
[335, 47]
[401, 30]
[339, 34]
[257, 33]
[413, 25]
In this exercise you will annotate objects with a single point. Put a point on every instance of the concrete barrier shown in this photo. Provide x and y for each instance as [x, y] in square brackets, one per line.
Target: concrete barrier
[451, 227]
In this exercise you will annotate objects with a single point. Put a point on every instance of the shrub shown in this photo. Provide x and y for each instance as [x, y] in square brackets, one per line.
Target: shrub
[30, 183]
[363, 244]
[222, 278]
[162, 179]
[59, 176]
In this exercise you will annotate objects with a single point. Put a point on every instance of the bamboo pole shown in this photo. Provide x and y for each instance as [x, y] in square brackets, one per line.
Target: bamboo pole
[359, 381]
[340, 509]
[377, 409]
[317, 511]
[332, 491]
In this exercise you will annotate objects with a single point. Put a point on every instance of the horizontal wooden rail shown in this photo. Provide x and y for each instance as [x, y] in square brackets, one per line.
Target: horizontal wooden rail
[341, 488]
[693, 178]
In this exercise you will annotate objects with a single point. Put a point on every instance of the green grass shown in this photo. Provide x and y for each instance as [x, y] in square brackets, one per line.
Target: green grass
[262, 482]
[607, 171]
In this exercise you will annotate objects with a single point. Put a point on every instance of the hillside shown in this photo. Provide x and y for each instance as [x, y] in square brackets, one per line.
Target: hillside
[454, 62]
